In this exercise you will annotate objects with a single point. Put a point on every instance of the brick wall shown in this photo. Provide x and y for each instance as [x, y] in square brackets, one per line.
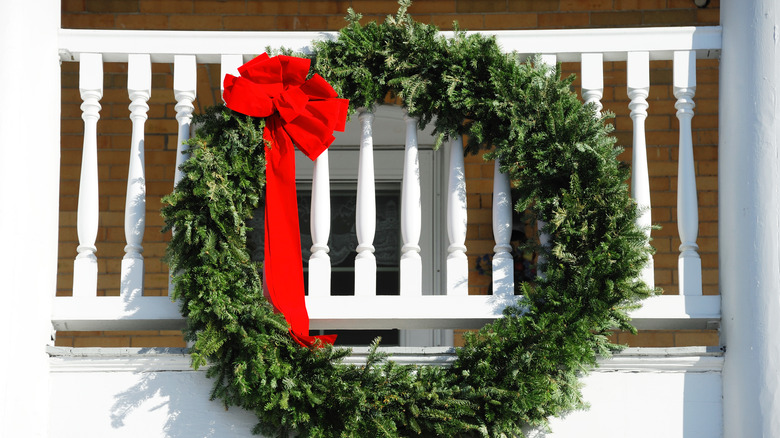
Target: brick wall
[160, 137]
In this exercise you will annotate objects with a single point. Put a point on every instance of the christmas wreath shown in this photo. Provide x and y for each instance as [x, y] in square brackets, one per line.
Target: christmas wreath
[513, 373]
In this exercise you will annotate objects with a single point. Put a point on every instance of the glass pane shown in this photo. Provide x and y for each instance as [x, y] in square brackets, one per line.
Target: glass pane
[342, 243]
[343, 240]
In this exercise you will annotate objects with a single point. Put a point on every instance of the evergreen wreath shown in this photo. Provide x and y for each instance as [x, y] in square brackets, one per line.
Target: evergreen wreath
[515, 372]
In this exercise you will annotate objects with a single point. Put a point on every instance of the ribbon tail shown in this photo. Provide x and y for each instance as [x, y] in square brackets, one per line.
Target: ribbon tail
[282, 264]
[313, 341]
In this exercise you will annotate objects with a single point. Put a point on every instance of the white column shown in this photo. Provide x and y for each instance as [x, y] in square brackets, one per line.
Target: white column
[749, 223]
[411, 215]
[544, 238]
[638, 80]
[85, 267]
[593, 79]
[457, 218]
[185, 85]
[229, 64]
[29, 209]
[319, 261]
[503, 264]
[365, 220]
[139, 88]
[689, 262]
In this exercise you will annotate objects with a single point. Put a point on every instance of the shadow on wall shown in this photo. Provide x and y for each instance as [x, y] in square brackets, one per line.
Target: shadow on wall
[174, 403]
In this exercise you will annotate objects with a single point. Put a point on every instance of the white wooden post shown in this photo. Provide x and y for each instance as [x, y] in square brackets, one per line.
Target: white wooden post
[457, 218]
[85, 268]
[29, 202]
[593, 79]
[503, 263]
[689, 263]
[638, 80]
[411, 214]
[319, 261]
[544, 238]
[748, 226]
[139, 88]
[365, 220]
[185, 84]
[229, 65]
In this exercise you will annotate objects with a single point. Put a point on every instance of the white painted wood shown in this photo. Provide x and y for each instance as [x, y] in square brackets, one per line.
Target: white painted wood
[365, 221]
[388, 122]
[503, 264]
[388, 167]
[116, 313]
[29, 210]
[185, 85]
[550, 59]
[161, 359]
[85, 268]
[748, 225]
[457, 219]
[407, 312]
[139, 88]
[638, 80]
[319, 261]
[544, 238]
[688, 397]
[592, 68]
[689, 263]
[154, 393]
[229, 64]
[662, 312]
[411, 215]
[568, 44]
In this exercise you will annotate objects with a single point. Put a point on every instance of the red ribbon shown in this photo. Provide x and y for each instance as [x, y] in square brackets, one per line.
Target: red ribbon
[297, 112]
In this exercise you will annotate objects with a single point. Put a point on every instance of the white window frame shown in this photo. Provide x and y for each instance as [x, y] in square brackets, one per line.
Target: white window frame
[389, 130]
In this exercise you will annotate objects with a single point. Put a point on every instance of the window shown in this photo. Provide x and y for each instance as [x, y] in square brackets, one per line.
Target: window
[388, 135]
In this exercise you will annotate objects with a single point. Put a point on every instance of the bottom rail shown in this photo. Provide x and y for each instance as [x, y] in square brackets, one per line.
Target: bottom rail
[378, 312]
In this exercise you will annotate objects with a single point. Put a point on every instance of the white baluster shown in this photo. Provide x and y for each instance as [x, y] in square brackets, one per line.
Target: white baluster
[689, 263]
[185, 84]
[85, 268]
[319, 261]
[139, 88]
[365, 261]
[229, 65]
[457, 219]
[544, 238]
[503, 264]
[593, 79]
[550, 60]
[638, 80]
[411, 214]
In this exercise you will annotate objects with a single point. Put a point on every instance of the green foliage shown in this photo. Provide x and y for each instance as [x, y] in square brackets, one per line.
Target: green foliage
[517, 371]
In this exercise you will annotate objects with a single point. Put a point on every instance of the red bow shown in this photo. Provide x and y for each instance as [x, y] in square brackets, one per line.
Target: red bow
[296, 111]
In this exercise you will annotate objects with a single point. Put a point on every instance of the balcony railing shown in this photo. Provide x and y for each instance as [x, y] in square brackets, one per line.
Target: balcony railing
[449, 306]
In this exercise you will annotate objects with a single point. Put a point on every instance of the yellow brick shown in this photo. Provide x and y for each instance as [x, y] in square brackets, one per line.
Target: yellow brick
[687, 338]
[510, 21]
[563, 20]
[647, 339]
[101, 341]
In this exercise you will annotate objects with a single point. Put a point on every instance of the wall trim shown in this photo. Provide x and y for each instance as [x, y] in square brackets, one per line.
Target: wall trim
[148, 360]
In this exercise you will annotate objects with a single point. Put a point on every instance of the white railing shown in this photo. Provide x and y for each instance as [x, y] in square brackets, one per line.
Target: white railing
[415, 307]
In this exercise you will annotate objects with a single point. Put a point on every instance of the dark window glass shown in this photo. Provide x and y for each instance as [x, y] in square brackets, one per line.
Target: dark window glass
[342, 243]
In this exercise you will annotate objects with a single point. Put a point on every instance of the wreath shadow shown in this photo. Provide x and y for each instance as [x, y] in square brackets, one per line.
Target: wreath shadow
[182, 399]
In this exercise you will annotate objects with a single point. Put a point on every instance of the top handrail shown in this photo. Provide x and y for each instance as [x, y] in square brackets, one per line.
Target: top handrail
[567, 44]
